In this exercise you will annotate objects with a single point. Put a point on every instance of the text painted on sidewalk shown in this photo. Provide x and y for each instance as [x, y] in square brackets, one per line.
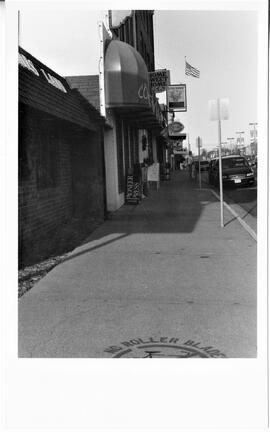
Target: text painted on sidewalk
[163, 347]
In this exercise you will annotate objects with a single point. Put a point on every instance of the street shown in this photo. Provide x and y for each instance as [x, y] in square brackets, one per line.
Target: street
[242, 199]
[245, 197]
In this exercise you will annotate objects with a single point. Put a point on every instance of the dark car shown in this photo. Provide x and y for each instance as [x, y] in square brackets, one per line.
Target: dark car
[204, 165]
[235, 171]
[251, 160]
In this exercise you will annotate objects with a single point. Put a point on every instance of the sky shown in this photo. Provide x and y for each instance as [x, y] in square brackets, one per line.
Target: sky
[221, 44]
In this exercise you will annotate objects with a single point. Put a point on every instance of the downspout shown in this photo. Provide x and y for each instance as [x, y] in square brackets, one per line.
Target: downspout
[134, 29]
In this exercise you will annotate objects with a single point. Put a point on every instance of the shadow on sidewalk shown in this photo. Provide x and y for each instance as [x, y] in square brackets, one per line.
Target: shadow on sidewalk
[175, 208]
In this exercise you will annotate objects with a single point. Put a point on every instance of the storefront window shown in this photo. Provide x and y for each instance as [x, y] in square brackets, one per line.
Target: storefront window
[120, 154]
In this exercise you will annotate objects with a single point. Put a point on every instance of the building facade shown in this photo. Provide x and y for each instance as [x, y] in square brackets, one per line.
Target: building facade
[61, 158]
[134, 119]
[137, 116]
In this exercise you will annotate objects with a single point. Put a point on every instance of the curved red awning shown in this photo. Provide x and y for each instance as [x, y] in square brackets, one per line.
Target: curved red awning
[126, 77]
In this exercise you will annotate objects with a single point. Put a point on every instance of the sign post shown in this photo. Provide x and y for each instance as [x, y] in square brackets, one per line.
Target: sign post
[199, 144]
[219, 111]
[220, 167]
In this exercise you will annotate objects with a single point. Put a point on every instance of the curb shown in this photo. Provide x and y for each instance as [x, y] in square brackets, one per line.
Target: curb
[240, 220]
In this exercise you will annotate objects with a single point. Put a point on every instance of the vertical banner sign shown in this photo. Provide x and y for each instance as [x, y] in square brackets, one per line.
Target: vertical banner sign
[253, 134]
[219, 110]
[177, 97]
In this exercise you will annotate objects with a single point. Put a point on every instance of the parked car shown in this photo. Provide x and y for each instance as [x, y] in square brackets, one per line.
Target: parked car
[204, 165]
[251, 160]
[235, 171]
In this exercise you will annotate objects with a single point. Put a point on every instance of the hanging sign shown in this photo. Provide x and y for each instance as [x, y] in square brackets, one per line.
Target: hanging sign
[240, 141]
[253, 134]
[176, 97]
[159, 80]
[175, 128]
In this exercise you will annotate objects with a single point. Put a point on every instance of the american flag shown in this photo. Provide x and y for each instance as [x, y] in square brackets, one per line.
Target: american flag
[190, 70]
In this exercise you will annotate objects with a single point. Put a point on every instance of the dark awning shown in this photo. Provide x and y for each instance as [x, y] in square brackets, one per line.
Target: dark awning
[126, 77]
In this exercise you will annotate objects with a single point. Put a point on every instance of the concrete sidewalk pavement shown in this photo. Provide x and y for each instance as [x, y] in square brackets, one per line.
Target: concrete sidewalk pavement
[160, 279]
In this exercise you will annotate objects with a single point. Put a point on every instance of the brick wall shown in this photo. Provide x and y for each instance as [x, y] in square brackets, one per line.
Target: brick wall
[88, 86]
[41, 210]
[44, 210]
[88, 176]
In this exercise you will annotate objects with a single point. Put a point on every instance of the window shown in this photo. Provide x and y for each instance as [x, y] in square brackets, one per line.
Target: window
[234, 163]
[47, 160]
[126, 147]
[120, 162]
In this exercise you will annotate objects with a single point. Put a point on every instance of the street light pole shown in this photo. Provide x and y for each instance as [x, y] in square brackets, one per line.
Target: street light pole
[240, 138]
[219, 111]
[230, 139]
[254, 131]
[220, 166]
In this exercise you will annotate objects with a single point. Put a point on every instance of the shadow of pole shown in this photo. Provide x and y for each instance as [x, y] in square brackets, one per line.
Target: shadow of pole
[91, 249]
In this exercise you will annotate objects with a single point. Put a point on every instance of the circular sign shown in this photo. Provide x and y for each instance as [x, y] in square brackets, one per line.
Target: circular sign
[175, 128]
[163, 347]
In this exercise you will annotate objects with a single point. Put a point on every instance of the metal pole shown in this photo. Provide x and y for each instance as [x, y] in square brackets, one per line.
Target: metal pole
[220, 168]
[199, 160]
[134, 29]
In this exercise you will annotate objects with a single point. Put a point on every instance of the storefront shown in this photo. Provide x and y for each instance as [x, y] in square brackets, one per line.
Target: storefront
[133, 143]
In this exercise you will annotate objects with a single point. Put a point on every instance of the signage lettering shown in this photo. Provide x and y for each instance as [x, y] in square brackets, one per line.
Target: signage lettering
[27, 64]
[159, 79]
[54, 81]
[143, 92]
[163, 347]
[113, 349]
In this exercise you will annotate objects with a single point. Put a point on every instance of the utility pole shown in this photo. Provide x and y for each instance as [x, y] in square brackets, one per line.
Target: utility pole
[220, 166]
[134, 29]
[231, 145]
[199, 144]
[254, 133]
[240, 136]
[219, 111]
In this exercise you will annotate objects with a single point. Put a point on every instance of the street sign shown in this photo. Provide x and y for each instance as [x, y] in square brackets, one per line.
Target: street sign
[219, 109]
[159, 80]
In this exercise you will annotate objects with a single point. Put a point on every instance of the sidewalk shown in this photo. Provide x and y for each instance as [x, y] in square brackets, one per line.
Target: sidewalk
[159, 279]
